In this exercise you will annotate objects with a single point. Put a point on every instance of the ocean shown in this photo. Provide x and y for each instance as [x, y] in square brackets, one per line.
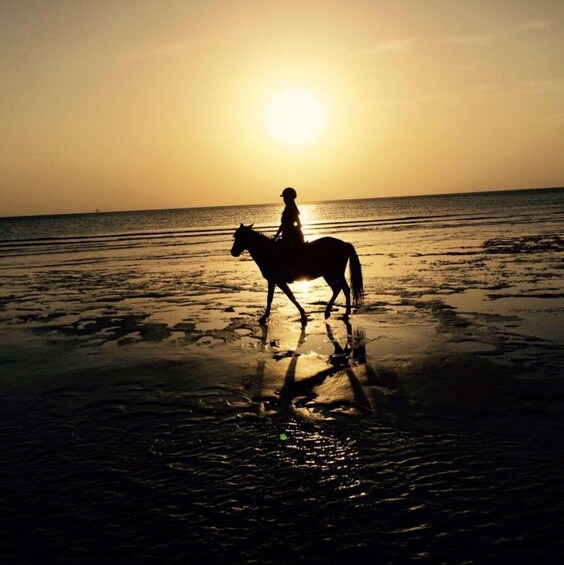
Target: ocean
[146, 415]
[100, 236]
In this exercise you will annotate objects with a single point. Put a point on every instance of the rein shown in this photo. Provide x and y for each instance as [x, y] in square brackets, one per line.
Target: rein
[258, 238]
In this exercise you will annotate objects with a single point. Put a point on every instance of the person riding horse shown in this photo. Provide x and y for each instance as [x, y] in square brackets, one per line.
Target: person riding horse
[290, 231]
[325, 257]
[289, 237]
[286, 258]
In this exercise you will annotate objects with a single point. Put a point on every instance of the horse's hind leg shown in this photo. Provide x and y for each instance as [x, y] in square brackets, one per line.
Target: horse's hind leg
[347, 293]
[336, 288]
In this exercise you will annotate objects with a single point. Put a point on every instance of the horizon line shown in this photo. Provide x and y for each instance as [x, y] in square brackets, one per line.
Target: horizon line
[98, 211]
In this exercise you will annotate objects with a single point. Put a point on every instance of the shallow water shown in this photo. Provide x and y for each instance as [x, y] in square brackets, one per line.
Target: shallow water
[119, 475]
[148, 417]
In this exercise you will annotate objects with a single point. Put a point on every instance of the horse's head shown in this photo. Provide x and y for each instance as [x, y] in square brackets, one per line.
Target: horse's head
[241, 238]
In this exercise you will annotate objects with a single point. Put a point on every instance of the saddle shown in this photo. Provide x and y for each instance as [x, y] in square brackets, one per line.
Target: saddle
[291, 257]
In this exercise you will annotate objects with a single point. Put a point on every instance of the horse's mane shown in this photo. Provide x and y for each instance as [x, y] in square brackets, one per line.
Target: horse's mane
[259, 234]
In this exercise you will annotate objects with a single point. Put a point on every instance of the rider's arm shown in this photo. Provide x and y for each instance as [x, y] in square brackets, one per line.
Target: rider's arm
[284, 221]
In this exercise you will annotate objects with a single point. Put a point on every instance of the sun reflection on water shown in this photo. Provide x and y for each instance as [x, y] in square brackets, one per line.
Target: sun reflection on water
[302, 286]
[332, 460]
[309, 216]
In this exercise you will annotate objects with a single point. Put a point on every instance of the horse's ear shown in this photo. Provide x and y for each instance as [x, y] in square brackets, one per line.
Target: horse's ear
[241, 225]
[251, 226]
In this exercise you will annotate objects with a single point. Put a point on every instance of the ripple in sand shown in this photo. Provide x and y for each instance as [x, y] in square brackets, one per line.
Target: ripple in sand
[209, 341]
[475, 347]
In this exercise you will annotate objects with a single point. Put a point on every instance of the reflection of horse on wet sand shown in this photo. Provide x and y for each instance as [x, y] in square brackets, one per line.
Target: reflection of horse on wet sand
[374, 391]
[342, 360]
[326, 257]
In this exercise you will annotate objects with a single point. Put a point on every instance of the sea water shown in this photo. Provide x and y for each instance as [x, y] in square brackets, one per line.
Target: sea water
[141, 234]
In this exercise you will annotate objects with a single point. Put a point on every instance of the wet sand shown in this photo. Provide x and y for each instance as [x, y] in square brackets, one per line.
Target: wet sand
[143, 403]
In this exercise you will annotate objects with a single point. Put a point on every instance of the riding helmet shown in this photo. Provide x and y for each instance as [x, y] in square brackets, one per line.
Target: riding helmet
[289, 191]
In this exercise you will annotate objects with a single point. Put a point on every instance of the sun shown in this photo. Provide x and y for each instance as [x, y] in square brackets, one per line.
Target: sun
[294, 116]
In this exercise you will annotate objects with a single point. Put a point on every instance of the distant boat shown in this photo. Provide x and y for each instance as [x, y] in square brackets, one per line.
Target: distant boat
[97, 210]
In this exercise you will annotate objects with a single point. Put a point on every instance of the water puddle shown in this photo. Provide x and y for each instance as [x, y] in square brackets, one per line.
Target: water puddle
[213, 325]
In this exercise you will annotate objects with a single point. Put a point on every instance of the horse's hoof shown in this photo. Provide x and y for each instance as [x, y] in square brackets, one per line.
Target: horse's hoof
[263, 320]
[303, 321]
[327, 314]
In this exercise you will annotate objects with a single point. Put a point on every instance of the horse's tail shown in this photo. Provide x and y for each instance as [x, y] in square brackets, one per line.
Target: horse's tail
[355, 271]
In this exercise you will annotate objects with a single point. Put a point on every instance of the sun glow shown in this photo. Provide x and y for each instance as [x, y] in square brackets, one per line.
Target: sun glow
[294, 116]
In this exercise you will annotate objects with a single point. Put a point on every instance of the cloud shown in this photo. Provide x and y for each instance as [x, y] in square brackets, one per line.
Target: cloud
[557, 118]
[172, 50]
[415, 100]
[531, 26]
[169, 50]
[392, 46]
[486, 39]
[467, 40]
[481, 87]
[469, 95]
[550, 86]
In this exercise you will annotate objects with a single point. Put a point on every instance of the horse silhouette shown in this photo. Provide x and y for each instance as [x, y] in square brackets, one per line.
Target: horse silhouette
[326, 257]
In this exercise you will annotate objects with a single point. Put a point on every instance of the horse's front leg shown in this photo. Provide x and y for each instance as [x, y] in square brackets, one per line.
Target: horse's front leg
[286, 289]
[270, 295]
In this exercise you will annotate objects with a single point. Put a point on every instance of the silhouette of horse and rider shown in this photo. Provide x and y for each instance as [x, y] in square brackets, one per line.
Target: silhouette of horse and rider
[286, 258]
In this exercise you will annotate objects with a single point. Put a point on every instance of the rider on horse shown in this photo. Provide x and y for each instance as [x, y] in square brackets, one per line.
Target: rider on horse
[289, 237]
[290, 231]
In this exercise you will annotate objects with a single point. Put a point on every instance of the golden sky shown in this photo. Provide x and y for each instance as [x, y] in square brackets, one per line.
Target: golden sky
[138, 104]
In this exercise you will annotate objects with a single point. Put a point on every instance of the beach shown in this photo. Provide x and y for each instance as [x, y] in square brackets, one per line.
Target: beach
[147, 416]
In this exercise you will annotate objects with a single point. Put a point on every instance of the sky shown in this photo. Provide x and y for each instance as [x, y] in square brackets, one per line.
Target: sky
[139, 104]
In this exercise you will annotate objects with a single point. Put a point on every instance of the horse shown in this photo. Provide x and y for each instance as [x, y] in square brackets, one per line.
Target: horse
[326, 257]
